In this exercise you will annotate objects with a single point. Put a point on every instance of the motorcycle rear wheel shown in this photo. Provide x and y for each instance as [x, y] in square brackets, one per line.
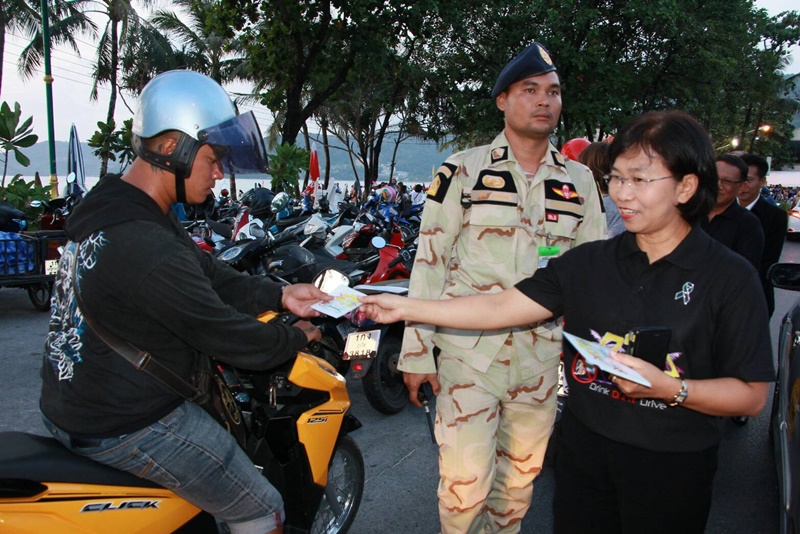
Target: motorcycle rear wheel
[40, 294]
[342, 497]
[383, 383]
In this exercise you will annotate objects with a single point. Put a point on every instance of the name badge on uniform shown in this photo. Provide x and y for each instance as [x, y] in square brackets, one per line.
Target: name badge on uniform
[546, 253]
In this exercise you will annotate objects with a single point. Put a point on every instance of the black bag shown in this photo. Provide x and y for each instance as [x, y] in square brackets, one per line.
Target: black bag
[208, 388]
[217, 398]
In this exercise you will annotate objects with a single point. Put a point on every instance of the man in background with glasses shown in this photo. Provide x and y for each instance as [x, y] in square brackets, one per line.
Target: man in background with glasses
[772, 218]
[728, 222]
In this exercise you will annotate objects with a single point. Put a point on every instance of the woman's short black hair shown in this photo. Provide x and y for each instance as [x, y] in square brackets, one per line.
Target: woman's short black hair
[685, 148]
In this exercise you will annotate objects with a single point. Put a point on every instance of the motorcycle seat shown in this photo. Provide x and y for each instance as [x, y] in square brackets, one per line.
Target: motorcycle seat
[44, 459]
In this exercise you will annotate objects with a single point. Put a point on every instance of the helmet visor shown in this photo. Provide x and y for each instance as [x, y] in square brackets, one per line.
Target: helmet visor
[238, 144]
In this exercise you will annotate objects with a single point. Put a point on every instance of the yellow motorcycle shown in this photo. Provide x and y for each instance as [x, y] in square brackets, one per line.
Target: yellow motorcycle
[296, 418]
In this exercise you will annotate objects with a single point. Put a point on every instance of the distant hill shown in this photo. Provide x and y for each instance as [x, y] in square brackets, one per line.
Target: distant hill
[415, 159]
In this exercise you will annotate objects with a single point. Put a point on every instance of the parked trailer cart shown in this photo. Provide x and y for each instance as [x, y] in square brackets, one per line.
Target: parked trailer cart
[29, 260]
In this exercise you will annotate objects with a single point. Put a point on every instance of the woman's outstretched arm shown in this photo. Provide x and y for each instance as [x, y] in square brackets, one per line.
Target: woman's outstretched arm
[474, 312]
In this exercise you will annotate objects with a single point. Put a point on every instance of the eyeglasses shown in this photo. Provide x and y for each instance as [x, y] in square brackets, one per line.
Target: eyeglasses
[616, 181]
[730, 183]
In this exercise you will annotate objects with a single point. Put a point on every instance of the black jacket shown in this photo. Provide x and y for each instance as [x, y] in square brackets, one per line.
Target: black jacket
[773, 221]
[145, 280]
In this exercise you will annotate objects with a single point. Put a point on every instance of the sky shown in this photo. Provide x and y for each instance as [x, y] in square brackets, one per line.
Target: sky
[73, 84]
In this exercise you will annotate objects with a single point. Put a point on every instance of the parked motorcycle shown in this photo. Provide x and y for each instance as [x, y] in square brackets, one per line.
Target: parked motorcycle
[373, 350]
[297, 423]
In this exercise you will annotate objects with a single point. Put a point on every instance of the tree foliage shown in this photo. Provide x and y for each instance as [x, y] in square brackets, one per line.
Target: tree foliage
[285, 166]
[111, 144]
[301, 52]
[615, 59]
[24, 16]
[14, 136]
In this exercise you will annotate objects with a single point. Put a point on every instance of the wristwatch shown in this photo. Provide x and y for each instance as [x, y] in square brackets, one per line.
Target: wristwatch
[681, 395]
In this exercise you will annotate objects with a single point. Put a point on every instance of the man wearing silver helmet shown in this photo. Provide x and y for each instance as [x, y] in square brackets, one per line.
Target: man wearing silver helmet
[141, 278]
[494, 215]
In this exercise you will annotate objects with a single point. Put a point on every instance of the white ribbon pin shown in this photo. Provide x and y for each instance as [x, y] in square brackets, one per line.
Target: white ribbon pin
[684, 293]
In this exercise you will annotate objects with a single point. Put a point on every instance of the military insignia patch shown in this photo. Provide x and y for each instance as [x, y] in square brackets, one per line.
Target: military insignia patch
[558, 159]
[499, 154]
[441, 182]
[565, 192]
[545, 55]
[495, 182]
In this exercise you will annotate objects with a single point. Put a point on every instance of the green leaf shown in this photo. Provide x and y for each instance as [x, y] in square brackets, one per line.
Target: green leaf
[21, 158]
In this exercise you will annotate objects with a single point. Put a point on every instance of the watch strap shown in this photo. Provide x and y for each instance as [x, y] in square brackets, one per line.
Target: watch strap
[681, 395]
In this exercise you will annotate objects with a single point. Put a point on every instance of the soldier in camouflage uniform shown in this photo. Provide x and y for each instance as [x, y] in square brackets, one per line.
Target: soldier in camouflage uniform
[495, 214]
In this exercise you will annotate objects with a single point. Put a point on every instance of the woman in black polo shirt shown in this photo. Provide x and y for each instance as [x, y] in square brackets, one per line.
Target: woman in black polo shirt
[633, 458]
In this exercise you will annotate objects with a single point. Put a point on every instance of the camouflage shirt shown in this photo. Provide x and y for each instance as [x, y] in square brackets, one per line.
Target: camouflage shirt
[485, 227]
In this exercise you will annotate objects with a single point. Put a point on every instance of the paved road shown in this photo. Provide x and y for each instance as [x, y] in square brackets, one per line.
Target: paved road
[401, 461]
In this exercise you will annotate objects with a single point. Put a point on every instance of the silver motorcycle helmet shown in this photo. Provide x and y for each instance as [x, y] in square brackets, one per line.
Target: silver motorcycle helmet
[199, 108]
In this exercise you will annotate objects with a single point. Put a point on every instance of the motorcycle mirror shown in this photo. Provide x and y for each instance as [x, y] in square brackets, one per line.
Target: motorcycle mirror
[378, 242]
[330, 279]
[785, 276]
[279, 201]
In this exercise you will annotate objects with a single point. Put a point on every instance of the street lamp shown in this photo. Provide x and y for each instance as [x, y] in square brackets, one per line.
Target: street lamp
[48, 81]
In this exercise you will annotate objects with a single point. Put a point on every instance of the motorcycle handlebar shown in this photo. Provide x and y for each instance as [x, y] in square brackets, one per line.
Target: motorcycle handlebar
[395, 261]
[282, 240]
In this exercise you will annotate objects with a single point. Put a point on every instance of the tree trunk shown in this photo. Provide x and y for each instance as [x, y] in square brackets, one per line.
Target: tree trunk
[2, 46]
[112, 101]
[326, 149]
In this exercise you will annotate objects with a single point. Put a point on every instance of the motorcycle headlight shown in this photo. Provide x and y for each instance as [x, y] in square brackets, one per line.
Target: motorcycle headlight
[256, 230]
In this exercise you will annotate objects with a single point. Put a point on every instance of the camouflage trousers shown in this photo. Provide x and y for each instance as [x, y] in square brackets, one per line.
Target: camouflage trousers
[492, 429]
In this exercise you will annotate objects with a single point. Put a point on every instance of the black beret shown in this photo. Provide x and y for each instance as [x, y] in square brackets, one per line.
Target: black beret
[532, 61]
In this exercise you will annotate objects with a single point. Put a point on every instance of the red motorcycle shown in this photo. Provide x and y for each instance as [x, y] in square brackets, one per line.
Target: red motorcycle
[374, 349]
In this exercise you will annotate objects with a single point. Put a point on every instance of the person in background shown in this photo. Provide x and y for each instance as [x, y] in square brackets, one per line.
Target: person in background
[141, 277]
[595, 156]
[635, 458]
[418, 195]
[773, 220]
[494, 214]
[728, 222]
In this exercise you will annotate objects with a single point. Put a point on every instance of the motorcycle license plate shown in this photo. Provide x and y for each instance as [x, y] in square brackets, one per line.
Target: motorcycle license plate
[51, 266]
[361, 345]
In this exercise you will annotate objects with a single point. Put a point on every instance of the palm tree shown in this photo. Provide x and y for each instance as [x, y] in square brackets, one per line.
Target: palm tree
[24, 16]
[125, 34]
[201, 50]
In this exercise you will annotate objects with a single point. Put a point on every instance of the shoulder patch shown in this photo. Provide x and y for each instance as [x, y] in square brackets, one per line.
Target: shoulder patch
[441, 182]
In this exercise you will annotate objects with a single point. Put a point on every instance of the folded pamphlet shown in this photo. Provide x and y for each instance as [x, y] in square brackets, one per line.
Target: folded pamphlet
[344, 300]
[600, 356]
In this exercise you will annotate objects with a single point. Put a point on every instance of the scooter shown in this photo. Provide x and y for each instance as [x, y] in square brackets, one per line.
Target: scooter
[373, 350]
[296, 421]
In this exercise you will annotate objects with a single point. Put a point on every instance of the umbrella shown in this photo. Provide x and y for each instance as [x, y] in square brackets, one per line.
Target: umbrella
[313, 164]
[75, 165]
[313, 172]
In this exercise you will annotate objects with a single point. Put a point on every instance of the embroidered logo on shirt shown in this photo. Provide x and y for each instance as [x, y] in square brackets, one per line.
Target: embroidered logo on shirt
[551, 217]
[684, 293]
[565, 192]
[495, 182]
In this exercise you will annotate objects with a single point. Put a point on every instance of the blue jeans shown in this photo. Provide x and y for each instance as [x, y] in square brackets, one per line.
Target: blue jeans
[188, 452]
